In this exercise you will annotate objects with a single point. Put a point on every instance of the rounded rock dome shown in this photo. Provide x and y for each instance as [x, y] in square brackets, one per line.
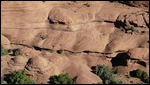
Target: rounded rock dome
[37, 62]
[19, 60]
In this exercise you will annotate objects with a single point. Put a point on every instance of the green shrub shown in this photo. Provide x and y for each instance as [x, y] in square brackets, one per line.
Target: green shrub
[105, 74]
[3, 82]
[132, 29]
[61, 79]
[18, 77]
[146, 80]
[144, 75]
[60, 51]
[139, 73]
[3, 51]
[128, 76]
[16, 52]
[114, 81]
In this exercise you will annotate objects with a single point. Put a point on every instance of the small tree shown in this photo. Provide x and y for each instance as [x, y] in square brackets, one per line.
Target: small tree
[18, 77]
[61, 79]
[105, 74]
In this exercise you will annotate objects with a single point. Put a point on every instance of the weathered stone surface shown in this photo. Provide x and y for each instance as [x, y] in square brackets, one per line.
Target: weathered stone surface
[139, 53]
[138, 3]
[76, 14]
[84, 30]
[88, 78]
[137, 19]
[124, 42]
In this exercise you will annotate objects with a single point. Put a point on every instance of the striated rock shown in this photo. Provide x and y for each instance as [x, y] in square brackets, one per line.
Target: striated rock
[123, 41]
[64, 62]
[75, 14]
[137, 19]
[88, 78]
[85, 30]
[41, 65]
[80, 34]
[74, 69]
[108, 12]
[40, 69]
[82, 72]
[139, 53]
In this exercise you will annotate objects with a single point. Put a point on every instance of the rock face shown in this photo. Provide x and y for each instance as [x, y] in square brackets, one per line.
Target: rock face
[82, 13]
[139, 53]
[137, 19]
[138, 3]
[77, 35]
[88, 33]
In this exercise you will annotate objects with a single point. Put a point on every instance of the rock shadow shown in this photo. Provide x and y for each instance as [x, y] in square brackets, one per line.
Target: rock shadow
[120, 60]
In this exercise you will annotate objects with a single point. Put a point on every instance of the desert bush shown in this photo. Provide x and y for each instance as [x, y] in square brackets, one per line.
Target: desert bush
[139, 73]
[61, 79]
[18, 77]
[132, 29]
[105, 74]
[128, 76]
[144, 75]
[60, 51]
[146, 80]
[3, 51]
[3, 82]
[16, 52]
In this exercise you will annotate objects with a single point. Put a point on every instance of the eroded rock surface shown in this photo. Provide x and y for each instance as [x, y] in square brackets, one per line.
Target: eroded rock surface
[89, 33]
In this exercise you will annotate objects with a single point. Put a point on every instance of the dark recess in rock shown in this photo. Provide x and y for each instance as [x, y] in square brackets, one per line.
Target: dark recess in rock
[120, 59]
